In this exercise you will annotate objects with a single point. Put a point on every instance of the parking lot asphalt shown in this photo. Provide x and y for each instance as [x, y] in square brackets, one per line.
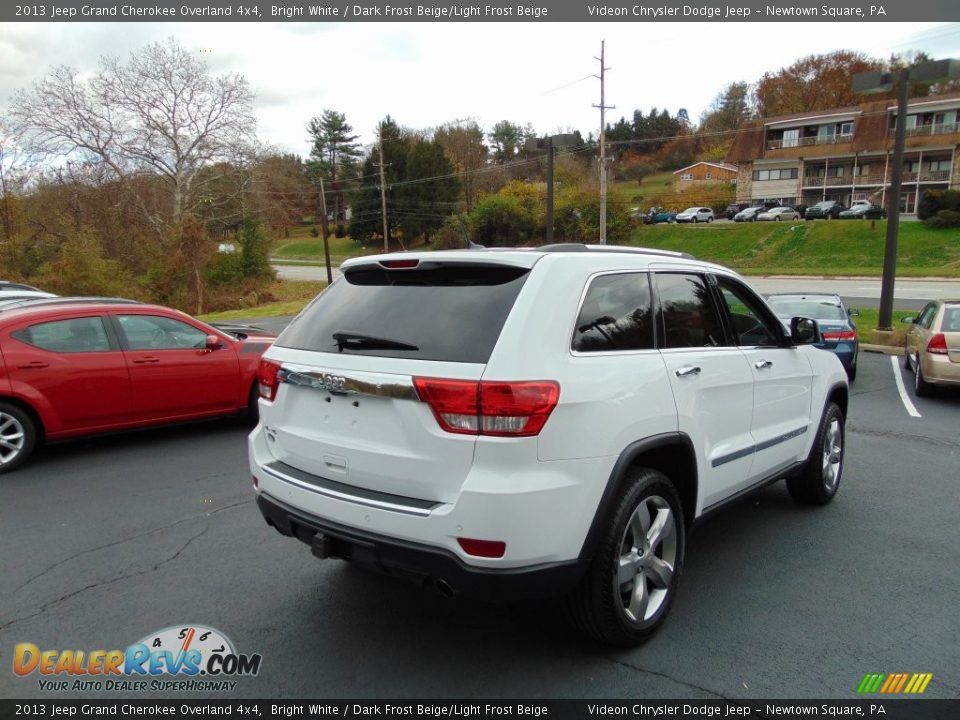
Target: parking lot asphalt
[110, 539]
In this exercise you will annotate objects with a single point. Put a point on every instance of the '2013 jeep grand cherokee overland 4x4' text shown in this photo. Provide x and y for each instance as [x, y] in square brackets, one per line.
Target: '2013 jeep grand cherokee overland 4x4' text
[543, 422]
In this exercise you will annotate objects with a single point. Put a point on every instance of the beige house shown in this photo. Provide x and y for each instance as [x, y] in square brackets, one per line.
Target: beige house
[704, 172]
[845, 153]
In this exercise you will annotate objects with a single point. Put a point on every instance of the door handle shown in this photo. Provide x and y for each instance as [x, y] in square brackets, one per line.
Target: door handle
[143, 361]
[34, 365]
[763, 364]
[688, 370]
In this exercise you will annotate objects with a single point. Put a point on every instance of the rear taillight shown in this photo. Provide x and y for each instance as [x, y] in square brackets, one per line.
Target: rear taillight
[510, 409]
[268, 379]
[937, 345]
[840, 335]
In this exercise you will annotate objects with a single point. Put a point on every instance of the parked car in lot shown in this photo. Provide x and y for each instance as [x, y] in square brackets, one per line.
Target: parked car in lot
[824, 210]
[695, 215]
[19, 291]
[840, 335]
[78, 366]
[933, 346]
[539, 423]
[748, 214]
[781, 212]
[656, 215]
[861, 211]
[734, 208]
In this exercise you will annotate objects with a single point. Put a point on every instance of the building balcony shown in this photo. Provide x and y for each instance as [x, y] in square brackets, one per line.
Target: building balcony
[934, 129]
[863, 180]
[807, 141]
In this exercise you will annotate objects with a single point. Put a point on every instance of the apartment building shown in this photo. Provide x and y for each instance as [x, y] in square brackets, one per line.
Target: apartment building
[845, 154]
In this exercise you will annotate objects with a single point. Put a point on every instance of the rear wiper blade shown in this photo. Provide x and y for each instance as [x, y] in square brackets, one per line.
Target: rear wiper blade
[366, 342]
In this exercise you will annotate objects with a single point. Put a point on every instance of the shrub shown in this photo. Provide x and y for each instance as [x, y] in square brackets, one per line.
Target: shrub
[943, 219]
[501, 221]
[933, 201]
[314, 232]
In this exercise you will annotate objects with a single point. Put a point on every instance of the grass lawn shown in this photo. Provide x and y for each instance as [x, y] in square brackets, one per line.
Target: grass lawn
[303, 246]
[291, 296]
[818, 247]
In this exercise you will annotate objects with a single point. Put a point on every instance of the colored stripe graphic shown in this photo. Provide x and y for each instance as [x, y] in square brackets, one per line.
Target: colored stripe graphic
[894, 683]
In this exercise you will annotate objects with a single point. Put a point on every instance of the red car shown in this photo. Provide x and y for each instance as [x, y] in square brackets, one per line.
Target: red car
[72, 367]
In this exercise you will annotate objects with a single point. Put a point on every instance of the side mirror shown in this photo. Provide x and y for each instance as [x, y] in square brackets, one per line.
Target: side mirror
[908, 319]
[213, 342]
[804, 331]
[853, 312]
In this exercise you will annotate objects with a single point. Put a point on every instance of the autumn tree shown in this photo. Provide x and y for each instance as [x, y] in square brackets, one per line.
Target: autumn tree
[815, 82]
[462, 141]
[161, 112]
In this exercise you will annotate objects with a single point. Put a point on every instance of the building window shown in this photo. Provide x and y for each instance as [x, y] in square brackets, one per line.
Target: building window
[939, 166]
[835, 172]
[791, 138]
[687, 176]
[846, 128]
[777, 174]
[708, 175]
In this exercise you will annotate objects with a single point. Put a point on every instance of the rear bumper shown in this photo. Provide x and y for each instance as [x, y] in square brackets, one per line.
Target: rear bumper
[426, 566]
[939, 369]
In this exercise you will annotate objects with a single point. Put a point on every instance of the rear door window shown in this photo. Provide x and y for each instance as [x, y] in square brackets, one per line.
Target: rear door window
[84, 334]
[616, 315]
[451, 312]
[689, 316]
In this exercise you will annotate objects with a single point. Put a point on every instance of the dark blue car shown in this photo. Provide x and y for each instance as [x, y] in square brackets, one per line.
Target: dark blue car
[839, 333]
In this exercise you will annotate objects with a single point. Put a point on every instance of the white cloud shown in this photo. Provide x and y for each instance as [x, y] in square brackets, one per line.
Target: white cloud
[427, 74]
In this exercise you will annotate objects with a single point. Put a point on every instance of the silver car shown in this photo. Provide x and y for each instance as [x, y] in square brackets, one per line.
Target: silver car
[779, 213]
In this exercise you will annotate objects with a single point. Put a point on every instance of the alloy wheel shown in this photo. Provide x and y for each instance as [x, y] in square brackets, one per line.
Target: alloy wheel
[648, 554]
[832, 455]
[12, 438]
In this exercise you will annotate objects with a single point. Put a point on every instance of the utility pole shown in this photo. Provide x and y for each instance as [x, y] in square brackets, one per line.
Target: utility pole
[549, 238]
[325, 230]
[383, 197]
[880, 82]
[603, 146]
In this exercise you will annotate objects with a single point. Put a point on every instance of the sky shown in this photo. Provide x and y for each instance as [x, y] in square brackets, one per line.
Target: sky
[428, 74]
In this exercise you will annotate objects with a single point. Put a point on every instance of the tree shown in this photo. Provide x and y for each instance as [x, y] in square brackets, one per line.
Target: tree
[816, 82]
[162, 112]
[720, 120]
[462, 141]
[429, 192]
[366, 217]
[335, 152]
[505, 139]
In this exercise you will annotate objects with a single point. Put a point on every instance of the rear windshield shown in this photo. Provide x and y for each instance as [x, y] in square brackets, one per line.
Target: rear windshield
[798, 307]
[450, 312]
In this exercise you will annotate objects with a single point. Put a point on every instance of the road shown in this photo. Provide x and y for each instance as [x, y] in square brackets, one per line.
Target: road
[909, 293]
[108, 540]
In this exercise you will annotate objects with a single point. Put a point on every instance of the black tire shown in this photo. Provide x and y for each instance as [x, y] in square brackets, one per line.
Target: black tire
[252, 413]
[694, 221]
[18, 437]
[906, 361]
[852, 371]
[920, 386]
[603, 605]
[817, 483]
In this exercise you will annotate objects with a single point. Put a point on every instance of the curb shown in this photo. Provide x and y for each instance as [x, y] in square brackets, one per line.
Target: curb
[883, 349]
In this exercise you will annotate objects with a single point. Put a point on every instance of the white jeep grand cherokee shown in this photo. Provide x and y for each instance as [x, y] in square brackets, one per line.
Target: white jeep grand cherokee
[545, 422]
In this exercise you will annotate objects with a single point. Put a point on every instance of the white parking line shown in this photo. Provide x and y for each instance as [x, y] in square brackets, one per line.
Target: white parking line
[898, 378]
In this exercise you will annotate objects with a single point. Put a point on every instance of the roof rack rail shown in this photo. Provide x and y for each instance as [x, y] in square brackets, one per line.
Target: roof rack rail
[579, 247]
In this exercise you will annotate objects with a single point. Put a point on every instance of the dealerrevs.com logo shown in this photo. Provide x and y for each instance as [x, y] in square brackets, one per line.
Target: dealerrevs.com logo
[178, 658]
